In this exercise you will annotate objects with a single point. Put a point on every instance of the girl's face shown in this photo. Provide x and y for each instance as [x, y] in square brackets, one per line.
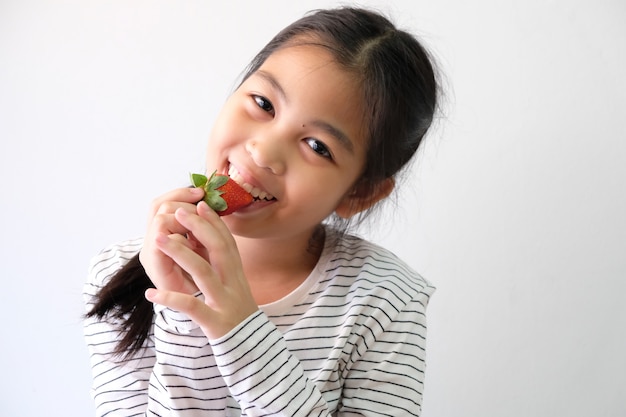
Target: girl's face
[293, 130]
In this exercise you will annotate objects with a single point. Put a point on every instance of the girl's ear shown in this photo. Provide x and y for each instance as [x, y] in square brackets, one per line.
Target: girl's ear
[360, 199]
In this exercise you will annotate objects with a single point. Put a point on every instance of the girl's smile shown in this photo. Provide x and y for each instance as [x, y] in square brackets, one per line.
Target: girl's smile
[256, 192]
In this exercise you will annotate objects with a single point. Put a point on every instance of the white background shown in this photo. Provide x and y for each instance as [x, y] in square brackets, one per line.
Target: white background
[514, 210]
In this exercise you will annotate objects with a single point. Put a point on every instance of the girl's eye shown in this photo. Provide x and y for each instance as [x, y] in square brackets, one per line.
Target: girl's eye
[319, 148]
[264, 104]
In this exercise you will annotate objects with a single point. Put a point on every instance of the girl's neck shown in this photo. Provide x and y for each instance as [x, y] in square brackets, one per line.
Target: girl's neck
[276, 267]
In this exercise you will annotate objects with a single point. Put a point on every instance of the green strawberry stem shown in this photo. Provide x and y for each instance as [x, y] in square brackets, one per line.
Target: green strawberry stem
[212, 196]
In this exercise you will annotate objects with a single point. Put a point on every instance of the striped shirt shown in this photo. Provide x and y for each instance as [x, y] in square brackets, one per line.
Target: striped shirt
[350, 340]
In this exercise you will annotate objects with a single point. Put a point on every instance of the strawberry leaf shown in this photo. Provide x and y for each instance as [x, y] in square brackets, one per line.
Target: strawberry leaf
[216, 181]
[215, 201]
[198, 180]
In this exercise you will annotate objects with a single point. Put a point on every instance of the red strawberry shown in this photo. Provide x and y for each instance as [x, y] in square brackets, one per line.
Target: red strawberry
[221, 193]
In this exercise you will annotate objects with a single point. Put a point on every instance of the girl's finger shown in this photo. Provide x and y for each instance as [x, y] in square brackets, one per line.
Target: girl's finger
[224, 256]
[208, 214]
[183, 195]
[188, 242]
[212, 233]
[201, 272]
[166, 223]
[190, 305]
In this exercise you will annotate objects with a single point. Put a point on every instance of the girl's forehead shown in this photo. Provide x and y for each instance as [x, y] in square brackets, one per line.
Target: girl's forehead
[312, 52]
[311, 62]
[307, 77]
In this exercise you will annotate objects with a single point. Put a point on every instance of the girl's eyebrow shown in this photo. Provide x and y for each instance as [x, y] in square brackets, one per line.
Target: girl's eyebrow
[269, 78]
[337, 133]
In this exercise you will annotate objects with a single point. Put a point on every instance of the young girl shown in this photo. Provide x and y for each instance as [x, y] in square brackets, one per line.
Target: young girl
[275, 309]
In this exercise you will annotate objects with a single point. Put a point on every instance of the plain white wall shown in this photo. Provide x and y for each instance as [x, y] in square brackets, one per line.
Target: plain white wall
[514, 210]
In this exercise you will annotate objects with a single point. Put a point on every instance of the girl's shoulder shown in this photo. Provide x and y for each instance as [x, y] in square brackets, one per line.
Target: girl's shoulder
[111, 259]
[360, 263]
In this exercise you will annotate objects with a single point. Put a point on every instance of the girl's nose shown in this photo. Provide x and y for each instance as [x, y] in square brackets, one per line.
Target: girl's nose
[267, 153]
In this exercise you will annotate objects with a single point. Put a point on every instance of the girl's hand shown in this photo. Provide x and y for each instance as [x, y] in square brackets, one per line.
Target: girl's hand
[217, 271]
[162, 270]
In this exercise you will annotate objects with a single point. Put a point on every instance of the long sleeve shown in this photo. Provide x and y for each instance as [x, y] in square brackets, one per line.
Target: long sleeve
[377, 369]
[120, 386]
[262, 375]
[350, 341]
[193, 374]
[388, 378]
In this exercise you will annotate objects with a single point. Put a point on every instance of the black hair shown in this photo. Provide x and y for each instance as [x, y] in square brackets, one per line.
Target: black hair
[400, 93]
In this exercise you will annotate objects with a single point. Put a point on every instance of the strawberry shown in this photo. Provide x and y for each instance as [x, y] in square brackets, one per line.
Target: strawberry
[221, 193]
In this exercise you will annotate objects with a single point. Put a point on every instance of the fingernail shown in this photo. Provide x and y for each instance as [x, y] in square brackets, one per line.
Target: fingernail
[162, 238]
[205, 210]
[150, 294]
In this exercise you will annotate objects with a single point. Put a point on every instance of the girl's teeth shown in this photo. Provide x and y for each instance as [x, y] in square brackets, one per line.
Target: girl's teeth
[256, 192]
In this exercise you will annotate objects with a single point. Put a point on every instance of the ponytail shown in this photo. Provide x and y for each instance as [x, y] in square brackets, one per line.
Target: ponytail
[122, 298]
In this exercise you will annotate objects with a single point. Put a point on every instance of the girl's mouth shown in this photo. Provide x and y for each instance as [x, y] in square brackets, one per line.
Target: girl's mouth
[256, 192]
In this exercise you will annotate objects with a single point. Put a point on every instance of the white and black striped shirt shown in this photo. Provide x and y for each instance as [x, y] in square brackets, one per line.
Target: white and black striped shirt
[349, 341]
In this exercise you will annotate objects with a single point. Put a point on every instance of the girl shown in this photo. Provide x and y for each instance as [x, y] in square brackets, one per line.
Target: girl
[275, 309]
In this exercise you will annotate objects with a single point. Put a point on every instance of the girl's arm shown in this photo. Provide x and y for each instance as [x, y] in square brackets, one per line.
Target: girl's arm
[262, 375]
[383, 373]
[381, 368]
[387, 379]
